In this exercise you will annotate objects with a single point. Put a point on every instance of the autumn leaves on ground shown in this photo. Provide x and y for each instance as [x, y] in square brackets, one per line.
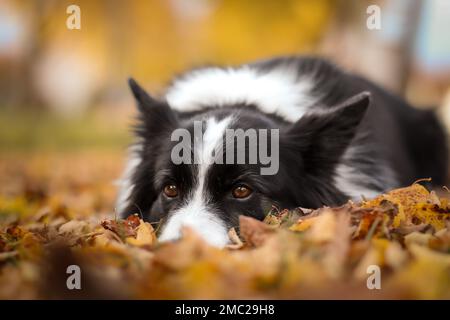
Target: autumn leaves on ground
[56, 210]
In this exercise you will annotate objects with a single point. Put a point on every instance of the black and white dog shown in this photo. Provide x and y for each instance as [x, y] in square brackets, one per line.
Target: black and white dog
[340, 137]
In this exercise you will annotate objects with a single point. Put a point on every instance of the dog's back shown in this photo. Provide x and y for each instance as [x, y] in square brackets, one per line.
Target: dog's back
[410, 140]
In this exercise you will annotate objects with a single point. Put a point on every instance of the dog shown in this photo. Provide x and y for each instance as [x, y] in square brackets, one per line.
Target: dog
[340, 137]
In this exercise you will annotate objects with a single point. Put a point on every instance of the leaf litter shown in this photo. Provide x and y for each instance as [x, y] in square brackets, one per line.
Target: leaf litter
[296, 254]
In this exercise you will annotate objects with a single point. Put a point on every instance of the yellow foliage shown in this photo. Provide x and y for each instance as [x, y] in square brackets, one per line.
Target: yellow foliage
[323, 253]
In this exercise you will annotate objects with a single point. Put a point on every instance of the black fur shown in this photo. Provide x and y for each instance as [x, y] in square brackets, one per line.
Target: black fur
[393, 145]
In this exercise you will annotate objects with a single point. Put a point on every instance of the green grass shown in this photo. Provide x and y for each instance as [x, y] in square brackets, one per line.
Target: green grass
[33, 131]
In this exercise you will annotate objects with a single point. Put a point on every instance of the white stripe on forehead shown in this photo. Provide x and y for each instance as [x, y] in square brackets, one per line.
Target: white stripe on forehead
[196, 213]
[278, 91]
[212, 140]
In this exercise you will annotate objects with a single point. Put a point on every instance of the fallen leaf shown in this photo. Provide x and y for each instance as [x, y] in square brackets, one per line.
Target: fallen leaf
[145, 235]
[254, 232]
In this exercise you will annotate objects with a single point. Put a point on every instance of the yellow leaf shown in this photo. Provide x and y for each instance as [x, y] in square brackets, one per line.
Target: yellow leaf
[145, 235]
[303, 225]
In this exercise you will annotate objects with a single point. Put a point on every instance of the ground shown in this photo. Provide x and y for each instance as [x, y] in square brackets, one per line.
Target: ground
[57, 210]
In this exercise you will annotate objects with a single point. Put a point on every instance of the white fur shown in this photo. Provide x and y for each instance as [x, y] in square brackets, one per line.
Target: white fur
[353, 182]
[350, 181]
[125, 183]
[276, 91]
[195, 213]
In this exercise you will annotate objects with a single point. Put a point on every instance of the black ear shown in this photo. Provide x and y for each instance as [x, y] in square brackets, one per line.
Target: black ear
[323, 137]
[156, 120]
[155, 114]
[143, 99]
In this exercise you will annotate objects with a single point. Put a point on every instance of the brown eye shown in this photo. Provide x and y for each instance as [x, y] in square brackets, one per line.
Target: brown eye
[241, 192]
[171, 190]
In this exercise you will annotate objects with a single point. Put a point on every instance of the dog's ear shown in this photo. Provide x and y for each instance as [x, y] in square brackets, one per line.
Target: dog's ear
[143, 99]
[323, 137]
[154, 114]
[156, 120]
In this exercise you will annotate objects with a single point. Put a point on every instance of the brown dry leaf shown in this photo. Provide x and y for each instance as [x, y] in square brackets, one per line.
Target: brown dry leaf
[236, 241]
[339, 246]
[180, 254]
[254, 232]
[145, 235]
[415, 206]
[123, 228]
[395, 257]
[74, 227]
[303, 224]
[7, 255]
[105, 238]
[324, 227]
[375, 255]
[299, 253]
[370, 222]
[418, 238]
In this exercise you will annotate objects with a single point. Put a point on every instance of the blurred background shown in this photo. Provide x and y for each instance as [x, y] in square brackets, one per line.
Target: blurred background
[64, 91]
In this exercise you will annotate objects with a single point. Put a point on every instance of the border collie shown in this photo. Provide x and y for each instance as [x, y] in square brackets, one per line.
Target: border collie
[340, 137]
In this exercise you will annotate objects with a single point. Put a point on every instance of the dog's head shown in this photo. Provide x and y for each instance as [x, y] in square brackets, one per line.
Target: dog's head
[204, 169]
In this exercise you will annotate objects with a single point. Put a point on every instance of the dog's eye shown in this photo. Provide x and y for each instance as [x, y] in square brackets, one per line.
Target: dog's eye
[171, 190]
[241, 192]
